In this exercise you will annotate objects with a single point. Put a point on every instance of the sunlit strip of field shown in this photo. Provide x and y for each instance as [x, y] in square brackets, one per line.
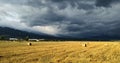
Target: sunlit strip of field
[60, 52]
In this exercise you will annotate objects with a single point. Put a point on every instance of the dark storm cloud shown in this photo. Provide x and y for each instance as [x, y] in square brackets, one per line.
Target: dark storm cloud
[76, 18]
[74, 3]
[105, 3]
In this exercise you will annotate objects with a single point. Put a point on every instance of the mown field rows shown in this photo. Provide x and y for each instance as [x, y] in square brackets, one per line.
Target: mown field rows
[60, 52]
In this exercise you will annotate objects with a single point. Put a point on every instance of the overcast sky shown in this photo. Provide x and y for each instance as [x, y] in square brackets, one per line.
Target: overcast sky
[75, 18]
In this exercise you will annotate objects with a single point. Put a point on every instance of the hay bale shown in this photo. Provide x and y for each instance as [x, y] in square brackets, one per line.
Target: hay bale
[29, 44]
[84, 45]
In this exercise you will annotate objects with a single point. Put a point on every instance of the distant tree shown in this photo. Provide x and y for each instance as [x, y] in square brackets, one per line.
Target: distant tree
[2, 37]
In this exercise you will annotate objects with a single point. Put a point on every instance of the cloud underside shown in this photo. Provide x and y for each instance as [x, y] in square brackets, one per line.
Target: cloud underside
[76, 18]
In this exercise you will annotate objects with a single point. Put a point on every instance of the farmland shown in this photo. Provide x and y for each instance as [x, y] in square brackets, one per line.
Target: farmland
[60, 52]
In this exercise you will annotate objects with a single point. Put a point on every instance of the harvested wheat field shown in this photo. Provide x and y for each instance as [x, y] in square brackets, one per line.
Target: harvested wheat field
[60, 52]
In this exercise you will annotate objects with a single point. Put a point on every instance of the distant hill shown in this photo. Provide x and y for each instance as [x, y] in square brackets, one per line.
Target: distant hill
[14, 33]
[10, 32]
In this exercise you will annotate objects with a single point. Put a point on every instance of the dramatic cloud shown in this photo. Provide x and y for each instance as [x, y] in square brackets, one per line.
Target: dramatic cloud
[74, 18]
[105, 3]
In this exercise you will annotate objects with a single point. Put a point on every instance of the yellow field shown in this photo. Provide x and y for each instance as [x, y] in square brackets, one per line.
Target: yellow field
[60, 52]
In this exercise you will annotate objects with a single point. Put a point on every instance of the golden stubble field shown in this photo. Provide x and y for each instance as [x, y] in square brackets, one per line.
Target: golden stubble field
[60, 52]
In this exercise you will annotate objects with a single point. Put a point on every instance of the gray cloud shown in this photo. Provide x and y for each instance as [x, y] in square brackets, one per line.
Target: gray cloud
[105, 3]
[76, 18]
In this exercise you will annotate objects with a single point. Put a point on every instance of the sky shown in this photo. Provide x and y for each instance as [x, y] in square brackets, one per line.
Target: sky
[72, 18]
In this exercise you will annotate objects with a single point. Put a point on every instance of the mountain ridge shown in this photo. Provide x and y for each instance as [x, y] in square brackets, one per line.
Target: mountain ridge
[10, 32]
[15, 33]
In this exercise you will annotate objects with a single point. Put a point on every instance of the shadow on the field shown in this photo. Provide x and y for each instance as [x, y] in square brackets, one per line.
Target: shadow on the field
[1, 56]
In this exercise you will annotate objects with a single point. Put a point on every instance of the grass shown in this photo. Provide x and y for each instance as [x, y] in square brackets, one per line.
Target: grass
[60, 52]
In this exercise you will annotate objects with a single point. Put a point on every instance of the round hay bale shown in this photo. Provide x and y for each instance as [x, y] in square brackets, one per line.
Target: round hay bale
[29, 44]
[84, 45]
